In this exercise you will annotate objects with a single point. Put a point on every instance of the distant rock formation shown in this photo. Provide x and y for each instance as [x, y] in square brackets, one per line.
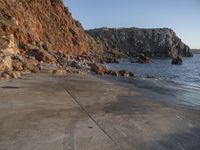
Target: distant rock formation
[151, 42]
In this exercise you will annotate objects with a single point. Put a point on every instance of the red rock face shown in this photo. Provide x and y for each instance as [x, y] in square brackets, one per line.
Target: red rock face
[43, 22]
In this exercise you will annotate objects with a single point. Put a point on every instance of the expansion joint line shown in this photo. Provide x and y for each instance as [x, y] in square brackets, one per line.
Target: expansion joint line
[77, 102]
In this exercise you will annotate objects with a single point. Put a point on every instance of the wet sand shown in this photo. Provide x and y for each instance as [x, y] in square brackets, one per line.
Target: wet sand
[85, 112]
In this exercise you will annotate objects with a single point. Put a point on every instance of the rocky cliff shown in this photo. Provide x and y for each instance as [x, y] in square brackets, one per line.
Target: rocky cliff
[39, 31]
[152, 42]
[46, 23]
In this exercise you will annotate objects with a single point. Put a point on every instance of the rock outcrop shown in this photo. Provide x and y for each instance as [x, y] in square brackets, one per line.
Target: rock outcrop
[177, 61]
[142, 59]
[47, 24]
[151, 42]
[33, 32]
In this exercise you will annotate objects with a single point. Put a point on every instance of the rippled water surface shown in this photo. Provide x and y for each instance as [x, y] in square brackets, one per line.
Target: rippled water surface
[184, 77]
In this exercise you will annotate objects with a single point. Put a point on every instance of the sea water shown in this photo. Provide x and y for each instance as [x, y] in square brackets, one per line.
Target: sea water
[184, 78]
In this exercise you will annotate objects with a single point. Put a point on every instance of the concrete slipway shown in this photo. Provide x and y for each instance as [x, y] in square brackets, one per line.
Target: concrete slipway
[85, 112]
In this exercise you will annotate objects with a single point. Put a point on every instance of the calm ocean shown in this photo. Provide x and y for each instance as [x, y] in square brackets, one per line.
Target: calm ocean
[184, 78]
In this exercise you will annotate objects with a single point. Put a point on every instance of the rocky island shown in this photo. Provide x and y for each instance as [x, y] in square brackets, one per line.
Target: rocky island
[52, 101]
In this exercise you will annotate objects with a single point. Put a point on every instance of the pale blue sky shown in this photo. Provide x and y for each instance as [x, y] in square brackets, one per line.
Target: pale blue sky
[183, 16]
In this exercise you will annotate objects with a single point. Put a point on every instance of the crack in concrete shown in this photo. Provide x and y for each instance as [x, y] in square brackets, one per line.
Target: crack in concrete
[88, 114]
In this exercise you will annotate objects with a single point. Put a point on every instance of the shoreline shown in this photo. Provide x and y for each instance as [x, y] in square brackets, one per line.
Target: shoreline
[182, 94]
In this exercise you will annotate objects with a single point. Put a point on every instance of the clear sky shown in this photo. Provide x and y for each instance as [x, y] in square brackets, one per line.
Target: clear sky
[183, 16]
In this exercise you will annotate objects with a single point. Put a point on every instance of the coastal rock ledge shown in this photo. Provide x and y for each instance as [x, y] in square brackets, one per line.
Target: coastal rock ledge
[160, 42]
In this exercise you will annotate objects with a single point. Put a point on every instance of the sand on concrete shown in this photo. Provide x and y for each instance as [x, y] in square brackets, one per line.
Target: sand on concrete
[85, 112]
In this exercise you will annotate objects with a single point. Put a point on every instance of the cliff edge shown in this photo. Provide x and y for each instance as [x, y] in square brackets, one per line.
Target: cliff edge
[161, 42]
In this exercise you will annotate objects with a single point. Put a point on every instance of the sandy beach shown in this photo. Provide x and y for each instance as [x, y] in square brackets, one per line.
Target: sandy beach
[87, 112]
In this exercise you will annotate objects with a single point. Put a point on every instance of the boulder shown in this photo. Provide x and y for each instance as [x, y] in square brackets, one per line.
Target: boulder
[142, 59]
[5, 63]
[5, 77]
[113, 73]
[31, 66]
[15, 74]
[48, 68]
[59, 72]
[17, 65]
[124, 73]
[131, 74]
[177, 61]
[8, 49]
[99, 69]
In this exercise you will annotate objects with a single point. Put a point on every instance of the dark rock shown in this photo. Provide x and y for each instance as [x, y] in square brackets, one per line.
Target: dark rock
[150, 76]
[31, 65]
[131, 74]
[142, 59]
[177, 61]
[76, 64]
[59, 72]
[112, 60]
[99, 69]
[113, 73]
[124, 73]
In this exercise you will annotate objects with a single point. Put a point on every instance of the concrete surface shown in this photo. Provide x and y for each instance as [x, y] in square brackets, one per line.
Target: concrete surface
[77, 112]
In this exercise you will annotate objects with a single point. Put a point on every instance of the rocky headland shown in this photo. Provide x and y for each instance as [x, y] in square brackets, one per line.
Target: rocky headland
[42, 36]
[161, 42]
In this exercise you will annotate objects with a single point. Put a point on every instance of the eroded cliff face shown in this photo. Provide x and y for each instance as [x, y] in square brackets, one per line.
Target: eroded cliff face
[33, 32]
[43, 23]
[152, 42]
